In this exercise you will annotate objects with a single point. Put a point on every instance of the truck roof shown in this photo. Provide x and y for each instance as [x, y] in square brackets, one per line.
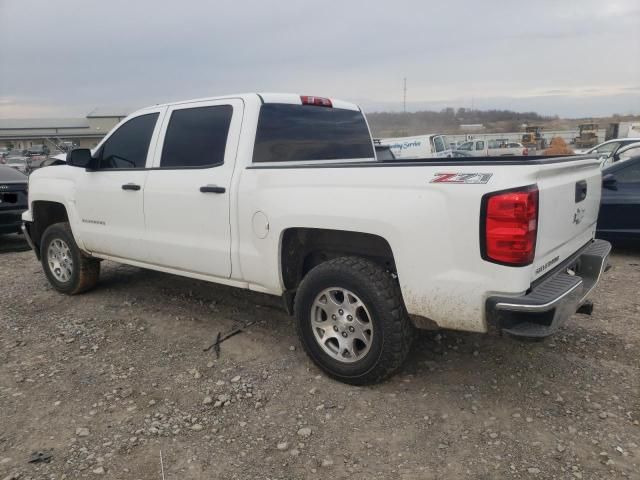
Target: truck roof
[266, 97]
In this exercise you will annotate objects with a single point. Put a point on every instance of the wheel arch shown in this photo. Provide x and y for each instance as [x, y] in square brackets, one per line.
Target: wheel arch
[301, 249]
[45, 213]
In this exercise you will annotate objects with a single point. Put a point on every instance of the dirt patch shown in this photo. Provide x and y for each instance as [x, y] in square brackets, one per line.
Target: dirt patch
[107, 380]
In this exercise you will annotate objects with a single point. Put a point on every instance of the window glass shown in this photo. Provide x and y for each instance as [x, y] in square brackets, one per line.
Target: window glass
[630, 153]
[466, 146]
[606, 148]
[127, 147]
[307, 132]
[196, 137]
[439, 144]
[480, 145]
[630, 174]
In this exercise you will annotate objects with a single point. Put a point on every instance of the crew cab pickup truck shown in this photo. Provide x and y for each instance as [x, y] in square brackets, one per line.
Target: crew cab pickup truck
[493, 148]
[282, 194]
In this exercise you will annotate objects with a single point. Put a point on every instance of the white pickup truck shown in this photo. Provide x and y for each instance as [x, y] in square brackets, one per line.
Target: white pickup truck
[493, 148]
[282, 194]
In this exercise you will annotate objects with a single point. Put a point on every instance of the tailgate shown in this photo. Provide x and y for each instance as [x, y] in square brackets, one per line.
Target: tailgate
[568, 210]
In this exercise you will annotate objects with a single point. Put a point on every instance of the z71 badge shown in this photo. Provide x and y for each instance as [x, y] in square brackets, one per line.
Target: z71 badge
[468, 178]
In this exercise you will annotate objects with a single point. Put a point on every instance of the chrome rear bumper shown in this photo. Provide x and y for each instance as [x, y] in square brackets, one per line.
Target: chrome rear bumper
[547, 305]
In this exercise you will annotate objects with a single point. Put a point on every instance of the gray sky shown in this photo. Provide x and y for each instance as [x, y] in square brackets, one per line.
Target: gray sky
[570, 57]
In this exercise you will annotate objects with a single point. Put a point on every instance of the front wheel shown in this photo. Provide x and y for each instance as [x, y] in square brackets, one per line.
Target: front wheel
[66, 267]
[351, 320]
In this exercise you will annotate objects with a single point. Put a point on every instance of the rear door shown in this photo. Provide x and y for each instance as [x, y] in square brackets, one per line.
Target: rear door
[186, 201]
[569, 200]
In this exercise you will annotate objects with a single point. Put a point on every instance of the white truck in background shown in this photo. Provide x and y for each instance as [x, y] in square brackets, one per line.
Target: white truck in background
[493, 148]
[420, 146]
[282, 194]
[622, 130]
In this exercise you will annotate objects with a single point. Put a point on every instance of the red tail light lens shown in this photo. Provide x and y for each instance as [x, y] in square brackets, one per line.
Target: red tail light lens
[510, 226]
[525, 152]
[318, 101]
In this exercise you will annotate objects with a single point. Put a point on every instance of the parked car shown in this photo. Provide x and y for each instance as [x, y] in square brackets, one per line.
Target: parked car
[619, 217]
[608, 148]
[60, 159]
[37, 150]
[18, 161]
[282, 194]
[493, 148]
[460, 154]
[13, 199]
[420, 146]
[384, 153]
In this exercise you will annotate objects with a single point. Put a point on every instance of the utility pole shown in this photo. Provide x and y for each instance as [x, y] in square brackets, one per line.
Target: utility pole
[404, 96]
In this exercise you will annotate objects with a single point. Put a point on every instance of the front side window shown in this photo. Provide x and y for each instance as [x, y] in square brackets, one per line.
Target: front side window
[439, 144]
[289, 132]
[127, 147]
[629, 153]
[196, 137]
[466, 146]
[479, 145]
[606, 148]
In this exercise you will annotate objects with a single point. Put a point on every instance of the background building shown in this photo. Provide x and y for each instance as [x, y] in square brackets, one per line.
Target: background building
[21, 134]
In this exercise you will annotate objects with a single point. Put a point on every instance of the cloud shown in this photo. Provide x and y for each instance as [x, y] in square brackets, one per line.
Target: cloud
[81, 54]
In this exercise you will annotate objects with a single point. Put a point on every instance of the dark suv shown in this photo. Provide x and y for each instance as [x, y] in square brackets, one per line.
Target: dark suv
[13, 199]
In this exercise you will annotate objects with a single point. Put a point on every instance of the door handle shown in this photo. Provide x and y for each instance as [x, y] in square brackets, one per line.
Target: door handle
[212, 189]
[581, 190]
[130, 186]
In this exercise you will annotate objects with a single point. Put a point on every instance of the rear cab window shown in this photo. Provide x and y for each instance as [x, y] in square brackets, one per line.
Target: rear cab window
[293, 132]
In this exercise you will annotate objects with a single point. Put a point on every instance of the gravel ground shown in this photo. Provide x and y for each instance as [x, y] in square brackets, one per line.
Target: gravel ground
[110, 381]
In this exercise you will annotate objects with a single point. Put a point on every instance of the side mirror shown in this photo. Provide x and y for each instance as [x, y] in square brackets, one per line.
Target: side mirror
[609, 182]
[80, 157]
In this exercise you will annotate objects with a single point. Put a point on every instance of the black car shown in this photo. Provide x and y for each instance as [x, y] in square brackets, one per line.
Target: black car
[619, 218]
[13, 199]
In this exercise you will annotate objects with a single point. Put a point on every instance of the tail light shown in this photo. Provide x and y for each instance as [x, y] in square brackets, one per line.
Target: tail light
[509, 226]
[317, 101]
[525, 152]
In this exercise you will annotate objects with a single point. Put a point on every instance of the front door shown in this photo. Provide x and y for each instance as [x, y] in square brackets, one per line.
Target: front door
[109, 199]
[187, 193]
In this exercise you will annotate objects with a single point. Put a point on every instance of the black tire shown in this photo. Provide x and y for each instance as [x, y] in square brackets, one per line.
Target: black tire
[392, 330]
[85, 270]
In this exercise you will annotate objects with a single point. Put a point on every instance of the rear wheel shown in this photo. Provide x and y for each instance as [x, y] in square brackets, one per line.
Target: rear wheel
[66, 267]
[351, 320]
